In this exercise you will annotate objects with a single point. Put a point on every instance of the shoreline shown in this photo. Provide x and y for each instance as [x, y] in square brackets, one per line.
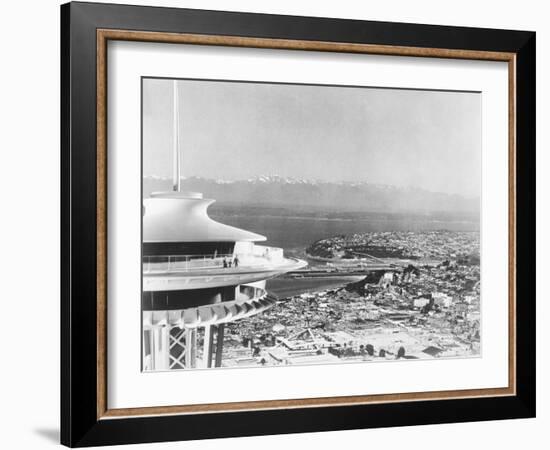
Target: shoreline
[286, 288]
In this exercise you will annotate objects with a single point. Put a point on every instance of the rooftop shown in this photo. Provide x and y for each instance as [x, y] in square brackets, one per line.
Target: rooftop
[183, 217]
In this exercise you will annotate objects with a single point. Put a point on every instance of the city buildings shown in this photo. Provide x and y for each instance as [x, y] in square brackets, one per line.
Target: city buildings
[410, 311]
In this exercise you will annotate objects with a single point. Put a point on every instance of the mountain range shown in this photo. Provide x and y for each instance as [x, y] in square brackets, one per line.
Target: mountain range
[277, 191]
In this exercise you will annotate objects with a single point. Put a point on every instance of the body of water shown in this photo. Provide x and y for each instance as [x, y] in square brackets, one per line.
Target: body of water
[288, 287]
[295, 233]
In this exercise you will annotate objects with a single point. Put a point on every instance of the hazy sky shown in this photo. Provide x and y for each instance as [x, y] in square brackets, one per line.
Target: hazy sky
[425, 139]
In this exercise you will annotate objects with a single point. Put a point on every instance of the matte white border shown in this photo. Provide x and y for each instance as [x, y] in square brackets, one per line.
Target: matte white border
[128, 387]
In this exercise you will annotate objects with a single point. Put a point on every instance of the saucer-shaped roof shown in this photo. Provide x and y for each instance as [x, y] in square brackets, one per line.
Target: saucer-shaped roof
[183, 217]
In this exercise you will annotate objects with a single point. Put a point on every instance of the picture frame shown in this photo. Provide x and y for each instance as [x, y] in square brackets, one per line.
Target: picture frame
[86, 30]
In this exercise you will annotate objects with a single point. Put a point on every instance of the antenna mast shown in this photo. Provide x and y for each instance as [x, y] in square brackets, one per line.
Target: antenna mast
[176, 175]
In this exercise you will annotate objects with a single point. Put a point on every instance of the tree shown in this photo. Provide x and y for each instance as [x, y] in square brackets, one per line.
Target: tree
[370, 349]
[401, 352]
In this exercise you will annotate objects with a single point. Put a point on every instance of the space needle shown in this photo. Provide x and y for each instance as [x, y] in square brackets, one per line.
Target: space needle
[198, 275]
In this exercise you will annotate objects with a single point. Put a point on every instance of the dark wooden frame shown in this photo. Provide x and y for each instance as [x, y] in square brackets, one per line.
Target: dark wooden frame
[85, 418]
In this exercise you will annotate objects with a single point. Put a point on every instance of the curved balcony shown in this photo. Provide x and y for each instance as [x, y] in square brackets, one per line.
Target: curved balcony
[251, 300]
[177, 272]
[261, 256]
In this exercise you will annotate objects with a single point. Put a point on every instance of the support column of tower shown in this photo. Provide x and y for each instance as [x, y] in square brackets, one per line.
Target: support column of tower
[190, 348]
[161, 344]
[160, 348]
[219, 345]
[209, 349]
[207, 346]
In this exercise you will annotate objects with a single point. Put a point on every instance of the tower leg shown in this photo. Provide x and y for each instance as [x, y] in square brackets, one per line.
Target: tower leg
[147, 345]
[161, 348]
[190, 347]
[208, 347]
[219, 345]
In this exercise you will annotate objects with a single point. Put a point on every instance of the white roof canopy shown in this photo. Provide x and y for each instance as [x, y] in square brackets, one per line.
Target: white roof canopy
[183, 217]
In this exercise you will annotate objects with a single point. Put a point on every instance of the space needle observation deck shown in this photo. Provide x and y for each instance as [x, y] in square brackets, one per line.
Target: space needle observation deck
[198, 275]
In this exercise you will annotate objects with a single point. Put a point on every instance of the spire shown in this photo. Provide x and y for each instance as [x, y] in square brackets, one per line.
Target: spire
[176, 175]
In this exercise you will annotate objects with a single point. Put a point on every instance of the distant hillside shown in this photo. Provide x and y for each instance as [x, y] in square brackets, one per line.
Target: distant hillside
[290, 192]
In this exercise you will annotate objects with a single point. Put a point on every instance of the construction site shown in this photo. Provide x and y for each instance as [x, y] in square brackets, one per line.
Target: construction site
[413, 311]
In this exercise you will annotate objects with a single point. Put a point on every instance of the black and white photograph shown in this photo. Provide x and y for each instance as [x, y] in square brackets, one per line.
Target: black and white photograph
[292, 224]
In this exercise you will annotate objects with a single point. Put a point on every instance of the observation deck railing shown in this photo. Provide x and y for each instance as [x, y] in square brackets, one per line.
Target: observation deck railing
[258, 257]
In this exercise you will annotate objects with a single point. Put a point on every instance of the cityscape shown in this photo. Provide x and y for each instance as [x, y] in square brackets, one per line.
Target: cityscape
[425, 304]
